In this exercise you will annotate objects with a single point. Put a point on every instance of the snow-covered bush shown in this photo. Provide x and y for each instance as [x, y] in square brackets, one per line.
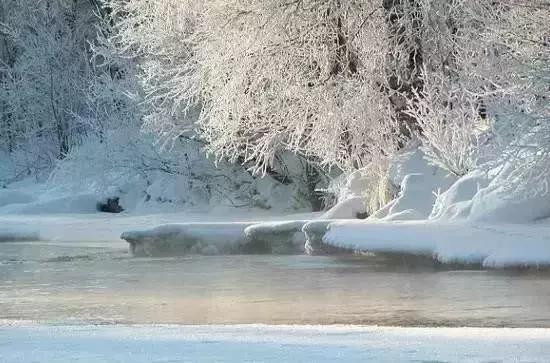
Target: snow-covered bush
[449, 126]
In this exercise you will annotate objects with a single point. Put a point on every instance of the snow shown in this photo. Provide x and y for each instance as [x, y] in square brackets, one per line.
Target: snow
[8, 196]
[475, 219]
[350, 186]
[497, 203]
[456, 202]
[347, 209]
[174, 239]
[413, 161]
[219, 237]
[420, 184]
[28, 197]
[277, 237]
[491, 246]
[465, 220]
[83, 203]
[18, 234]
[314, 232]
[24, 342]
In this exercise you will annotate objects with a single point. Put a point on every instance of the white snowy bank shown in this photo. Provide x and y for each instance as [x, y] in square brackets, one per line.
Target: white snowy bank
[279, 237]
[492, 246]
[264, 343]
[184, 238]
[18, 234]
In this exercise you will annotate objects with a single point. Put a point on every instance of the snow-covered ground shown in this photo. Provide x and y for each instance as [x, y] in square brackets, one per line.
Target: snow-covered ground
[22, 343]
[492, 246]
[468, 220]
[104, 229]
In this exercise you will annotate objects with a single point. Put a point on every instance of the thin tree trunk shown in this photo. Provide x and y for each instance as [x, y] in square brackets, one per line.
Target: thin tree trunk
[403, 88]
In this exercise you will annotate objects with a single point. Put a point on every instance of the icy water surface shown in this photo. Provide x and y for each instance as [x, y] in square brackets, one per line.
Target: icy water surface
[68, 283]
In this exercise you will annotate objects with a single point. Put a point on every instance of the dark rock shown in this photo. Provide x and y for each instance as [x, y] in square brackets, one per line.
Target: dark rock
[112, 205]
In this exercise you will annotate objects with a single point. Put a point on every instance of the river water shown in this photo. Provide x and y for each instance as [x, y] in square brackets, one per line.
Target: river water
[78, 283]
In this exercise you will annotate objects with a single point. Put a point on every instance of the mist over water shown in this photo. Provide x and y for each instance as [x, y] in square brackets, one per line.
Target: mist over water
[63, 283]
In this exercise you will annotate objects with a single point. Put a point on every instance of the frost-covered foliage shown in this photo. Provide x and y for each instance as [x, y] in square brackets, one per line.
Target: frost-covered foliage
[43, 76]
[449, 126]
[267, 76]
[343, 83]
[486, 66]
[69, 103]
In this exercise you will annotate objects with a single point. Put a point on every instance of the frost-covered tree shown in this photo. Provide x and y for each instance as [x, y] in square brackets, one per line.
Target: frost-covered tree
[44, 83]
[340, 83]
[267, 76]
[485, 64]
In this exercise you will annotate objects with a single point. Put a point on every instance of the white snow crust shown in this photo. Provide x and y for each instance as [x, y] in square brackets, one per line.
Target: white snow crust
[26, 342]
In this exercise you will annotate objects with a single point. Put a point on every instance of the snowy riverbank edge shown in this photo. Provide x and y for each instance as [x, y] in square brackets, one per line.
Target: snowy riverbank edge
[491, 246]
[24, 342]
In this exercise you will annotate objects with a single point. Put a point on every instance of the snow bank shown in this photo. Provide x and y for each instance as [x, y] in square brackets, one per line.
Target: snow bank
[297, 236]
[20, 234]
[276, 237]
[496, 246]
[83, 203]
[476, 219]
[279, 237]
[314, 232]
[188, 238]
[266, 343]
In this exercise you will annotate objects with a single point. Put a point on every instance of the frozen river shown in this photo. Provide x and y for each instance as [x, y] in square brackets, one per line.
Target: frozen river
[77, 283]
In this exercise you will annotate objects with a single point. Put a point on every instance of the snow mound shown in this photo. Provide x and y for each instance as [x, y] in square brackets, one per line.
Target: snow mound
[188, 238]
[479, 198]
[456, 202]
[497, 204]
[351, 208]
[414, 162]
[352, 185]
[419, 182]
[497, 246]
[418, 194]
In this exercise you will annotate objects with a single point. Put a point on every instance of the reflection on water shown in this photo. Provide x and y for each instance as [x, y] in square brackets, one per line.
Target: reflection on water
[65, 283]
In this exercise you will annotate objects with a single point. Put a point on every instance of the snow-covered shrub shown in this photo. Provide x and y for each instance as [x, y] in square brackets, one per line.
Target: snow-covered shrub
[449, 126]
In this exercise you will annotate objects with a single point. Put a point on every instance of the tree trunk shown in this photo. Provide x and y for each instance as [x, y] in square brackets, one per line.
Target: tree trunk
[404, 80]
